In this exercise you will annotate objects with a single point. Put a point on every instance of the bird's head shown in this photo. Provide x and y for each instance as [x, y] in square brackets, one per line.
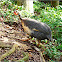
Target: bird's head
[17, 13]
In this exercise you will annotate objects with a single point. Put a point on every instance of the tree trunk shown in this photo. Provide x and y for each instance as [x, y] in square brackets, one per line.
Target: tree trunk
[55, 3]
[28, 4]
[19, 2]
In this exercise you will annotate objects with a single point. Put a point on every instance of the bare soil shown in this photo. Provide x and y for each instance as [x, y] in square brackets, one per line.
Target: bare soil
[10, 34]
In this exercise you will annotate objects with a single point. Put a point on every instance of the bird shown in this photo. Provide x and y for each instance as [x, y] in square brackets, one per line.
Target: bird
[34, 28]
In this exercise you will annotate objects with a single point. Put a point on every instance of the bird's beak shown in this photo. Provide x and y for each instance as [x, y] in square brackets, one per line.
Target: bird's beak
[15, 13]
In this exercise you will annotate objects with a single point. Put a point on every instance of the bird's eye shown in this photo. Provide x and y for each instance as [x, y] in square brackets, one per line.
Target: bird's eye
[15, 13]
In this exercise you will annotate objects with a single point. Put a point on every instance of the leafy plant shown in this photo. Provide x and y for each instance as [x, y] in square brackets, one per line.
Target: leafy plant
[52, 17]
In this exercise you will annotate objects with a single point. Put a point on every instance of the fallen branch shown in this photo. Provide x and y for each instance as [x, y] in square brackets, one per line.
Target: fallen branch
[4, 45]
[41, 56]
[25, 58]
[37, 49]
[9, 52]
[23, 39]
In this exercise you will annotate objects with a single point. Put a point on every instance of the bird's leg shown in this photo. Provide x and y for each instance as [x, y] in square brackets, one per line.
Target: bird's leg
[26, 38]
[39, 43]
[36, 42]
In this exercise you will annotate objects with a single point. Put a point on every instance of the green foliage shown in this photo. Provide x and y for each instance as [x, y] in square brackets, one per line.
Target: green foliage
[7, 3]
[52, 17]
[38, 6]
[52, 51]
[24, 13]
[7, 10]
[6, 60]
[8, 7]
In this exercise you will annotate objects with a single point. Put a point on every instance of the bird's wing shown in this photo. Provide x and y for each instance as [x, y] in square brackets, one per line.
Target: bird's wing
[37, 26]
[35, 29]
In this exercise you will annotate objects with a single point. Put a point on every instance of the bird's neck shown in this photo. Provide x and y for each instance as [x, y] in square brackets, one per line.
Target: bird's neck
[20, 17]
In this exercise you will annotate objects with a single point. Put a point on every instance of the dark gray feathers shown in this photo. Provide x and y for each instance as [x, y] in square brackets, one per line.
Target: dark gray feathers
[42, 30]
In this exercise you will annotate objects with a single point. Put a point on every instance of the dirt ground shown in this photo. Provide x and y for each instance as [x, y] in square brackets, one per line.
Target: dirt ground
[12, 34]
